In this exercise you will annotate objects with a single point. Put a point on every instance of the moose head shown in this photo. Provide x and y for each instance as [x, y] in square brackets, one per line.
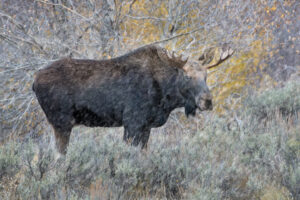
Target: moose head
[196, 90]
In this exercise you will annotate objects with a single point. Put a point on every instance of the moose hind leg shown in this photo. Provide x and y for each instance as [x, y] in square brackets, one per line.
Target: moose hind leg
[62, 140]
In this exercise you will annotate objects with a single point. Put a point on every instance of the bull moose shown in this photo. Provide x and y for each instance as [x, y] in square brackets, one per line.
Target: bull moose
[137, 90]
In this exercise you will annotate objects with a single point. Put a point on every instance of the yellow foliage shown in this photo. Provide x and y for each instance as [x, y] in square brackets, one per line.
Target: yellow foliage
[273, 8]
[234, 77]
[48, 33]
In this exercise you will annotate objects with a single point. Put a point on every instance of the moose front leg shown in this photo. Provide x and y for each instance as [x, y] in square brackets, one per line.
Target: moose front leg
[136, 136]
[126, 135]
[62, 140]
[145, 138]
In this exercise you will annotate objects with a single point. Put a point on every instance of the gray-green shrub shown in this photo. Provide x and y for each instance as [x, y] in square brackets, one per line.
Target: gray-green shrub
[285, 100]
[216, 162]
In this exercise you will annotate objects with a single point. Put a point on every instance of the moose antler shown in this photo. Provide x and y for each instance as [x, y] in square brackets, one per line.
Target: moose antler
[176, 58]
[171, 57]
[225, 54]
[207, 57]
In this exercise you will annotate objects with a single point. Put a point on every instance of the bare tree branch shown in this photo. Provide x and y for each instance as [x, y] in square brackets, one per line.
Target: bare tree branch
[64, 7]
[175, 36]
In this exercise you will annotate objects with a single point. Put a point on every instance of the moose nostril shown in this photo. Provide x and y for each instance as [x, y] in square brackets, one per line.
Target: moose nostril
[208, 104]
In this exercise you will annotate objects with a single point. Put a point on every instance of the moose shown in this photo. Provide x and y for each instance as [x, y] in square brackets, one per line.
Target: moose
[137, 90]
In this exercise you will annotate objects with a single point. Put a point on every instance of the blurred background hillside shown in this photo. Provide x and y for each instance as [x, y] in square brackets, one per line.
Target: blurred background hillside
[247, 148]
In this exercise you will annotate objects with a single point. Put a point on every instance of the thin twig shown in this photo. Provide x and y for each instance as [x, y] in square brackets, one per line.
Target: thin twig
[175, 36]
[33, 43]
[145, 18]
[21, 27]
[12, 20]
[64, 7]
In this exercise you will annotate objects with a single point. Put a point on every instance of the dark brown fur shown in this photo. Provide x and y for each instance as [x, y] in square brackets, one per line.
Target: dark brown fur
[137, 90]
